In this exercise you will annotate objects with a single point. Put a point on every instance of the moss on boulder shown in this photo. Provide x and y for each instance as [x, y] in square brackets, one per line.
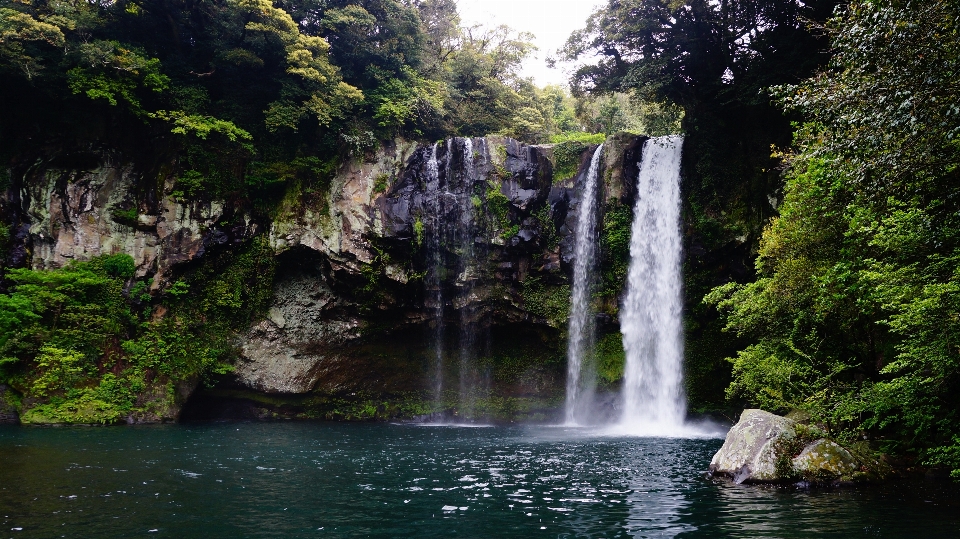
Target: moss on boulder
[825, 460]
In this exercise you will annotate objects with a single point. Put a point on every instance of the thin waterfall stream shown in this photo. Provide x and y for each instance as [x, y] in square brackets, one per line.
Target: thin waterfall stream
[580, 344]
[650, 317]
[451, 234]
[434, 277]
[465, 235]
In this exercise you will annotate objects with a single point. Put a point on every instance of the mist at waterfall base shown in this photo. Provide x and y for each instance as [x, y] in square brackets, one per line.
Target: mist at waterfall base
[651, 401]
[313, 479]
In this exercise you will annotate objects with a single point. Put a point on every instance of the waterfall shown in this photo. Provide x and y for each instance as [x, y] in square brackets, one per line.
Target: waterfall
[434, 277]
[451, 230]
[466, 279]
[650, 318]
[581, 338]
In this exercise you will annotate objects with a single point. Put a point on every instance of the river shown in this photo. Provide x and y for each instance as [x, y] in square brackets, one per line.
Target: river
[304, 479]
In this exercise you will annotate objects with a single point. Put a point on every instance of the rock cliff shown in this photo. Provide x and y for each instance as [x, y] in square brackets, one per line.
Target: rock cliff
[418, 269]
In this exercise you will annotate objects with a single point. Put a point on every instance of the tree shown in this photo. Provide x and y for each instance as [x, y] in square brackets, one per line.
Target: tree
[21, 34]
[485, 89]
[441, 24]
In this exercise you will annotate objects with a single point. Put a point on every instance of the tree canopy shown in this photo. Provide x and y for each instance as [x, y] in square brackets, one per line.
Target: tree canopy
[245, 93]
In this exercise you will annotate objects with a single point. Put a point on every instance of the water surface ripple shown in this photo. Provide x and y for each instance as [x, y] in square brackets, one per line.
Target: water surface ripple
[365, 480]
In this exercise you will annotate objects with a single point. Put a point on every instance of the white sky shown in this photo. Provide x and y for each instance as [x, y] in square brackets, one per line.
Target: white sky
[551, 21]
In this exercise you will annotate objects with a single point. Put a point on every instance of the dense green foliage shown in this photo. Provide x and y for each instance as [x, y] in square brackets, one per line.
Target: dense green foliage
[549, 302]
[80, 343]
[855, 316]
[615, 247]
[62, 339]
[248, 95]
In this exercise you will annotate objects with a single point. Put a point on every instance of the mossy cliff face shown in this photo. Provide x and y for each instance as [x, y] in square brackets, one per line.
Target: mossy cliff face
[99, 256]
[339, 292]
[477, 225]
[70, 214]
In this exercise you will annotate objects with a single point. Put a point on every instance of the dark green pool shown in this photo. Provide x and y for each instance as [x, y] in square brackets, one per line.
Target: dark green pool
[375, 480]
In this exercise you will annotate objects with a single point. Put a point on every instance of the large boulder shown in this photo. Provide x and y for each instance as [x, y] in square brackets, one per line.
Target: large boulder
[766, 448]
[750, 451]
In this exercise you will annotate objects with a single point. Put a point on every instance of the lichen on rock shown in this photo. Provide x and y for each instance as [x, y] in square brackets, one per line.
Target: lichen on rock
[749, 453]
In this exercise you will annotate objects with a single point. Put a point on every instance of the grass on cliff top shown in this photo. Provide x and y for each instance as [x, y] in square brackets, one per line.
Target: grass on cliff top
[586, 138]
[568, 154]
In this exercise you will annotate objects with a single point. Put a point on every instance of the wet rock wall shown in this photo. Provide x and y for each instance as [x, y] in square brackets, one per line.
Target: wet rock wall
[464, 233]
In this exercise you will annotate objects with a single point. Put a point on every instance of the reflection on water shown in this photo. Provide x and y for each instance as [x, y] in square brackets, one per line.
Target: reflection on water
[656, 496]
[339, 480]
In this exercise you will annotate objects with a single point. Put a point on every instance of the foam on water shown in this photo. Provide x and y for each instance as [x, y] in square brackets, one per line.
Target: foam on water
[453, 425]
[704, 429]
[691, 430]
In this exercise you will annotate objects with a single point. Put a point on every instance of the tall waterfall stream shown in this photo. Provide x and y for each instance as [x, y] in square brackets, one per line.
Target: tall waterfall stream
[580, 343]
[470, 380]
[434, 277]
[650, 317]
[452, 192]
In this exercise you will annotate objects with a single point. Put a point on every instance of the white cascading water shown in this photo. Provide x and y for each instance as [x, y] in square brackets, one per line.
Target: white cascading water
[465, 240]
[650, 318]
[580, 333]
[434, 278]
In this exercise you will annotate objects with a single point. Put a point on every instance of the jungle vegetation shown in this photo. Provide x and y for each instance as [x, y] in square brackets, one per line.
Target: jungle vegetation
[249, 94]
[855, 314]
[820, 184]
